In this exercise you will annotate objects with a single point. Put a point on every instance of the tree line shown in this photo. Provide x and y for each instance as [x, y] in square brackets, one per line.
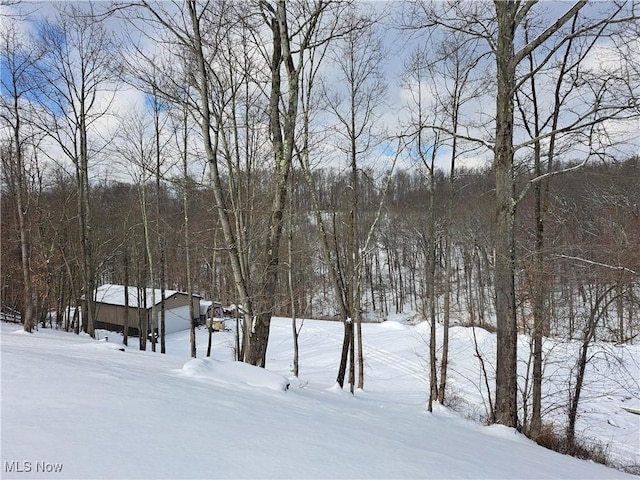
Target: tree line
[262, 169]
[596, 225]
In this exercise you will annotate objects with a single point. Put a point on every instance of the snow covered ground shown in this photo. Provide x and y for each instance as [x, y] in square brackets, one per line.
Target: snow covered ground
[74, 407]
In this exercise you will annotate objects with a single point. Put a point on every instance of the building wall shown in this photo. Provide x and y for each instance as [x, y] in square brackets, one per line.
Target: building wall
[111, 317]
[177, 313]
[176, 319]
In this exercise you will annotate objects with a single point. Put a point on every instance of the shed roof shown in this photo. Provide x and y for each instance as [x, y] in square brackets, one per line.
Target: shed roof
[114, 295]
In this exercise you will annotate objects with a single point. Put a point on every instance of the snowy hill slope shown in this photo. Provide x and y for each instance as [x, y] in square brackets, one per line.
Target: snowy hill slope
[90, 410]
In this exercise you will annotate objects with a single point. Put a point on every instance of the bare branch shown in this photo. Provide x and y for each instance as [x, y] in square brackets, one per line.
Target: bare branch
[598, 264]
[546, 176]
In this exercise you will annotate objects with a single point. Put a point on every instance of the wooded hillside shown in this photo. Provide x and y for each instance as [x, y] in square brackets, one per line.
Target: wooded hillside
[594, 221]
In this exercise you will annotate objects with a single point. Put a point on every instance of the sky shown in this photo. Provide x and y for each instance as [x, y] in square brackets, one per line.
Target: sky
[97, 409]
[394, 114]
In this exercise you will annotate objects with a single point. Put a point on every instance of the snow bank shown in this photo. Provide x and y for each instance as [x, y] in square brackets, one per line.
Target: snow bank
[234, 373]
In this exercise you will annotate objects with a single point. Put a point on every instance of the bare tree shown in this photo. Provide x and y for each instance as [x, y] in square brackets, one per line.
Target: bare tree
[534, 123]
[19, 60]
[259, 308]
[499, 27]
[509, 18]
[355, 105]
[182, 136]
[455, 65]
[593, 97]
[77, 82]
[158, 106]
[425, 143]
[290, 48]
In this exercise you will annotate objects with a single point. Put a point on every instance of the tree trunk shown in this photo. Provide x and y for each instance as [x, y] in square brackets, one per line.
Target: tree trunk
[187, 238]
[159, 219]
[292, 299]
[214, 292]
[125, 328]
[506, 328]
[85, 229]
[28, 317]
[447, 265]
[431, 289]
[149, 254]
[142, 313]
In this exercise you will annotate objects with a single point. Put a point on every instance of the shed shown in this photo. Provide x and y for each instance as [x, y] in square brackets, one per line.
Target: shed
[111, 307]
[209, 309]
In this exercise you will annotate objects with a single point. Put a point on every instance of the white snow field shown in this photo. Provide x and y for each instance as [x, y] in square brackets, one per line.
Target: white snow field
[75, 407]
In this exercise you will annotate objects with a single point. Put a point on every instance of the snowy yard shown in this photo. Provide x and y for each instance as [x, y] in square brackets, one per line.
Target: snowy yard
[90, 410]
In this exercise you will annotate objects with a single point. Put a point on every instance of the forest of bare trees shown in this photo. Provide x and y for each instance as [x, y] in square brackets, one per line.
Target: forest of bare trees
[475, 163]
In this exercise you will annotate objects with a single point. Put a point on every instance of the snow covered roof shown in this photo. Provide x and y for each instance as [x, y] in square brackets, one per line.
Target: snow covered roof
[114, 295]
